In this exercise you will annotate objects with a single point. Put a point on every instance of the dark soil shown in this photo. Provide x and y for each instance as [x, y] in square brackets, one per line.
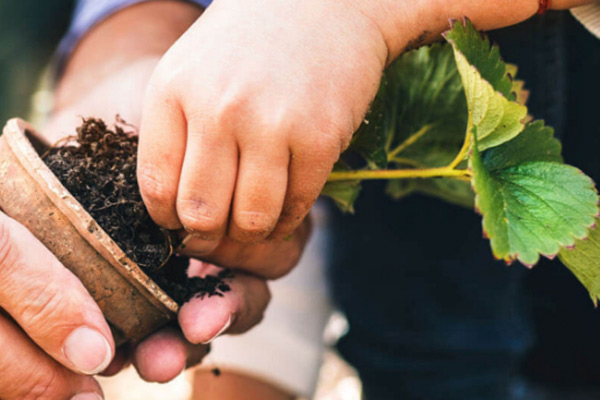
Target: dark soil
[100, 172]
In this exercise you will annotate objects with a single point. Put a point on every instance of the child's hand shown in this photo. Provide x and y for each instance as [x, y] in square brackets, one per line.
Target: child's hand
[248, 111]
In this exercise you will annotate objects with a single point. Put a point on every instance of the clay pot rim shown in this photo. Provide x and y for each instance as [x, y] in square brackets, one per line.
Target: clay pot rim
[15, 135]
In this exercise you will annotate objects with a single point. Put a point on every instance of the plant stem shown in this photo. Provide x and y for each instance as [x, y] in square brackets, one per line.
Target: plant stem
[409, 141]
[465, 147]
[448, 171]
[444, 172]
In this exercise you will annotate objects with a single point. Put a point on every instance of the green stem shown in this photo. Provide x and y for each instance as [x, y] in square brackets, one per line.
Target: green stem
[465, 147]
[443, 172]
[448, 171]
[411, 139]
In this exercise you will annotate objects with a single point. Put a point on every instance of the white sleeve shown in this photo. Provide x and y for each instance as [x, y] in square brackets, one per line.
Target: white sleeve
[286, 348]
[589, 16]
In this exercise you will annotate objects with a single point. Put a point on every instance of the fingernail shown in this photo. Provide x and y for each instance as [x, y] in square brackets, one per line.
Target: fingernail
[88, 350]
[87, 396]
[222, 330]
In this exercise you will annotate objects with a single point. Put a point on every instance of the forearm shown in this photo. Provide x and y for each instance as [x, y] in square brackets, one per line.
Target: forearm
[408, 24]
[234, 386]
[142, 32]
[109, 70]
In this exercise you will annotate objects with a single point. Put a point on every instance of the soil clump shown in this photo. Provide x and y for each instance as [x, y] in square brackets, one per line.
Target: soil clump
[98, 167]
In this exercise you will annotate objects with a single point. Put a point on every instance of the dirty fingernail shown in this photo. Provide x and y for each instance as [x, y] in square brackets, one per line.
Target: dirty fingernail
[222, 330]
[88, 350]
[87, 396]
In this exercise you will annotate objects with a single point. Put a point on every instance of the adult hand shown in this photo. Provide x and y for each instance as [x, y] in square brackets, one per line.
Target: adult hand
[52, 333]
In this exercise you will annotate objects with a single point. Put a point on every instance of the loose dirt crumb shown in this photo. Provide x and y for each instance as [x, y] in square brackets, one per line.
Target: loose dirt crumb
[99, 170]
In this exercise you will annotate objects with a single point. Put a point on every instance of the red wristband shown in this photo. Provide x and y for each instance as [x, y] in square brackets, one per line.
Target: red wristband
[544, 6]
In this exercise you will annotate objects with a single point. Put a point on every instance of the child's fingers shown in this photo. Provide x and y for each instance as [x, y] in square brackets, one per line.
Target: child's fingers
[310, 165]
[260, 189]
[207, 181]
[160, 156]
[269, 259]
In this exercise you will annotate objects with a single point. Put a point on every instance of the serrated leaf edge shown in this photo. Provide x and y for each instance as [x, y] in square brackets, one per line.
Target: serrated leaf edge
[511, 259]
[523, 120]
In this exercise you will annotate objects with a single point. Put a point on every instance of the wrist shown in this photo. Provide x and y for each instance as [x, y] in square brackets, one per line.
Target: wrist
[404, 25]
[408, 24]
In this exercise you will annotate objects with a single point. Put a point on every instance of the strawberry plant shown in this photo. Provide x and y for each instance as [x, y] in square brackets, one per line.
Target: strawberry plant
[450, 120]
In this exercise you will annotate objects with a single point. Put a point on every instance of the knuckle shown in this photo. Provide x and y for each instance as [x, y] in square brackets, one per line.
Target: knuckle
[339, 133]
[45, 306]
[276, 123]
[253, 225]
[153, 187]
[229, 109]
[8, 251]
[330, 137]
[334, 141]
[41, 386]
[197, 217]
[165, 76]
[318, 150]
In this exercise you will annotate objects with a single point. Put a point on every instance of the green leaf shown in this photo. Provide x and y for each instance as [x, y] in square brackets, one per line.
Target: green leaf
[417, 120]
[369, 140]
[450, 190]
[535, 143]
[477, 50]
[531, 204]
[425, 111]
[487, 87]
[520, 94]
[400, 188]
[583, 261]
[343, 193]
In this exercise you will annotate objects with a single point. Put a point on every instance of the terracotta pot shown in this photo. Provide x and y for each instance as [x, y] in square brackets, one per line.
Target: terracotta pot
[30, 193]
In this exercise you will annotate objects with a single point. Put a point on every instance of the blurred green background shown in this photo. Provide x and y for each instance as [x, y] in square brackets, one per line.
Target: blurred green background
[29, 34]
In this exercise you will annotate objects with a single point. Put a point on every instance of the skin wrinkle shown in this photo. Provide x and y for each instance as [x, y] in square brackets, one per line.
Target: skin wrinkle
[418, 41]
[7, 252]
[386, 60]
